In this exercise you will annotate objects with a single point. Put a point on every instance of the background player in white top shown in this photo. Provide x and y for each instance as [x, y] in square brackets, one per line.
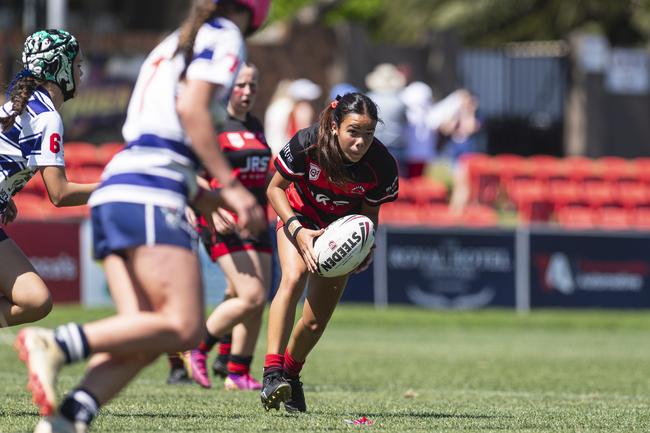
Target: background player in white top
[139, 223]
[31, 140]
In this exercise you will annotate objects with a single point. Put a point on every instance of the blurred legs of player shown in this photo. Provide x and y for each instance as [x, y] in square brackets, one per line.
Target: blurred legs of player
[287, 349]
[248, 273]
[220, 365]
[323, 295]
[157, 292]
[180, 364]
[177, 372]
[238, 367]
[24, 297]
[59, 424]
[275, 388]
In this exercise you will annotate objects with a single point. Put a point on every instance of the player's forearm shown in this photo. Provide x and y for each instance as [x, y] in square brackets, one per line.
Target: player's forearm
[202, 135]
[72, 194]
[278, 200]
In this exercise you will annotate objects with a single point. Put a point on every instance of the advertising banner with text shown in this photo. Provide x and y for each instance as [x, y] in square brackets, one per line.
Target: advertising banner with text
[589, 270]
[53, 249]
[456, 269]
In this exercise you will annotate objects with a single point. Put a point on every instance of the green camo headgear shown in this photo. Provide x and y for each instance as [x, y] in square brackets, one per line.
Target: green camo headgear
[49, 55]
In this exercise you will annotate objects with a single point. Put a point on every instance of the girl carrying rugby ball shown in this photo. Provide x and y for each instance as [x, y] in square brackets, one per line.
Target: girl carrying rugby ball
[331, 169]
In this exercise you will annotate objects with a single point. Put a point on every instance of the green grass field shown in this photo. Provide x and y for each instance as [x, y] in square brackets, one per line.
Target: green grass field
[407, 370]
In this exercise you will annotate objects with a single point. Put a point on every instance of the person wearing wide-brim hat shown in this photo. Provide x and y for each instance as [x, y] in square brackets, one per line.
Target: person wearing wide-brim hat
[384, 83]
[385, 77]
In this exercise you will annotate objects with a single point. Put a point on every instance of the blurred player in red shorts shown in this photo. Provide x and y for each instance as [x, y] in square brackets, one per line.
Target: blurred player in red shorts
[246, 262]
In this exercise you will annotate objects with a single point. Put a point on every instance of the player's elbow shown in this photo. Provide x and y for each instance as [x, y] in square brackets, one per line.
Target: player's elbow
[272, 195]
[56, 198]
[185, 112]
[56, 190]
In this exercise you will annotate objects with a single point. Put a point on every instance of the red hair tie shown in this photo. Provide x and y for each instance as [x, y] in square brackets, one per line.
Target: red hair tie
[333, 104]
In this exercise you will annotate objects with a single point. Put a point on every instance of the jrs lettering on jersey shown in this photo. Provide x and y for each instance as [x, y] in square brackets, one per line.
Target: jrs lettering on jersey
[313, 195]
[244, 145]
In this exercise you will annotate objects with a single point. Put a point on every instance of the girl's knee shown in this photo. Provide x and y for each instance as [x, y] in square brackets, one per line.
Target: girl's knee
[37, 307]
[43, 308]
[313, 326]
[187, 333]
[144, 359]
[291, 285]
[291, 278]
[255, 303]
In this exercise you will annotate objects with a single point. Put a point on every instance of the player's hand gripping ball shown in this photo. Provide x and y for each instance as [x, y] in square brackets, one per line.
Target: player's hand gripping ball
[344, 245]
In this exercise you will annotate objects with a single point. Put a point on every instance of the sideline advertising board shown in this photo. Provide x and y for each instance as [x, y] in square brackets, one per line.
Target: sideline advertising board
[592, 270]
[53, 249]
[446, 269]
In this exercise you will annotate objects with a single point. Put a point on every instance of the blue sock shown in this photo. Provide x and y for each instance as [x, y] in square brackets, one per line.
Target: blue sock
[73, 342]
[79, 405]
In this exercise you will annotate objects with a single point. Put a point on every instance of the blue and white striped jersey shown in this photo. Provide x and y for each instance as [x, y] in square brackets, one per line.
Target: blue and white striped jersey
[158, 165]
[35, 140]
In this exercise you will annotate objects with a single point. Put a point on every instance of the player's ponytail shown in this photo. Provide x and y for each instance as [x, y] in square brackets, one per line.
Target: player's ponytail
[326, 150]
[200, 12]
[19, 93]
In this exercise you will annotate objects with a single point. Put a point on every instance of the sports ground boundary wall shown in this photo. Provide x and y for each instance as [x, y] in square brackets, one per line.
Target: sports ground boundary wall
[450, 268]
[519, 268]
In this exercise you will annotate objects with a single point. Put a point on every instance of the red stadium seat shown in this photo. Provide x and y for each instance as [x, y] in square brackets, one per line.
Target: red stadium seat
[107, 150]
[564, 193]
[484, 178]
[406, 192]
[512, 167]
[84, 174]
[576, 217]
[35, 186]
[479, 216]
[620, 170]
[437, 215]
[425, 190]
[545, 167]
[632, 195]
[530, 198]
[641, 219]
[614, 218]
[399, 214]
[581, 168]
[79, 153]
[31, 207]
[599, 193]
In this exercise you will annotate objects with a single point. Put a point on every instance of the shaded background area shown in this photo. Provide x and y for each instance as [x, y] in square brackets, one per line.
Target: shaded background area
[536, 98]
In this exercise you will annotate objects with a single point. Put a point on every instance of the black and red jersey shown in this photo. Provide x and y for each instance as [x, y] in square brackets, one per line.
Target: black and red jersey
[244, 145]
[311, 194]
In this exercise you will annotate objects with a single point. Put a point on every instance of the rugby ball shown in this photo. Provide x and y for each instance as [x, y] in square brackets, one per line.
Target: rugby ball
[344, 245]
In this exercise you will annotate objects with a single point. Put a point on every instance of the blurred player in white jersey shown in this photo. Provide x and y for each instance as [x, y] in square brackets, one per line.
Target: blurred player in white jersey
[139, 223]
[31, 140]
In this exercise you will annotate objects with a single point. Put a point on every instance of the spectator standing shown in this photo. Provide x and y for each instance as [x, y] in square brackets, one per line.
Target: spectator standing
[384, 84]
[419, 136]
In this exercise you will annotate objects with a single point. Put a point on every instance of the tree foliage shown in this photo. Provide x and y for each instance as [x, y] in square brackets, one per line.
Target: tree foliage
[488, 22]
